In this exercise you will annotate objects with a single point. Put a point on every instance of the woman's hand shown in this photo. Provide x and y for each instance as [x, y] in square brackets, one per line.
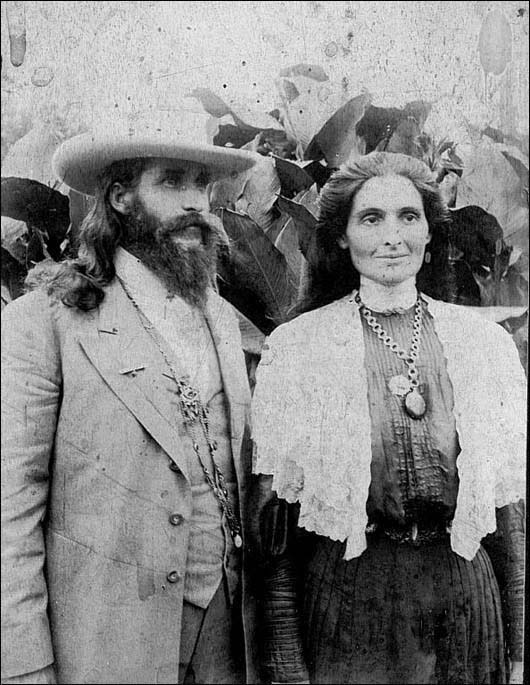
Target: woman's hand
[516, 673]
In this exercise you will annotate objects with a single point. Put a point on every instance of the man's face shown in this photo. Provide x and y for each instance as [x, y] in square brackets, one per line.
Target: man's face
[169, 189]
[168, 227]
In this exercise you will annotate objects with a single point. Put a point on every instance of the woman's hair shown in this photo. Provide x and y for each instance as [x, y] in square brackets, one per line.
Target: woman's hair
[80, 281]
[331, 274]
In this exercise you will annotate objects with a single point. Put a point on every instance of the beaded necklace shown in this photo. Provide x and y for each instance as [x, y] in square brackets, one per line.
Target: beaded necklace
[402, 386]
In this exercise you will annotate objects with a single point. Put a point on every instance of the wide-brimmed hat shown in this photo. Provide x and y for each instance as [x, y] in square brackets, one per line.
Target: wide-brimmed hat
[79, 160]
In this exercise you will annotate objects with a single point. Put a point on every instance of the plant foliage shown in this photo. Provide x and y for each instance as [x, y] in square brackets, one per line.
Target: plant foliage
[270, 211]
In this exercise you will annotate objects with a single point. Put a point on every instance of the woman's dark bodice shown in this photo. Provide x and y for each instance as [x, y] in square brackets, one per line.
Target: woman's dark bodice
[413, 472]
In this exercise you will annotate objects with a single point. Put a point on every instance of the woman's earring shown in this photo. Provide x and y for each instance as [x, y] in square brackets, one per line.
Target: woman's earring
[427, 258]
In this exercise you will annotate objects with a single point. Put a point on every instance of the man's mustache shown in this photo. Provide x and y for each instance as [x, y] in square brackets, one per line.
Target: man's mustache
[204, 221]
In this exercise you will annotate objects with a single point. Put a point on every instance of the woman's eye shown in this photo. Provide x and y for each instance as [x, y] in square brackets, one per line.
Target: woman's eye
[410, 218]
[371, 219]
[170, 182]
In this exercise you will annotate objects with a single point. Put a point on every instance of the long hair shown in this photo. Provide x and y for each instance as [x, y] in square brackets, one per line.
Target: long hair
[331, 274]
[80, 281]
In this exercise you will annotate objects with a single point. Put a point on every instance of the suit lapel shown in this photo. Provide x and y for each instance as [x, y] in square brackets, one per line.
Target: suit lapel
[129, 361]
[127, 358]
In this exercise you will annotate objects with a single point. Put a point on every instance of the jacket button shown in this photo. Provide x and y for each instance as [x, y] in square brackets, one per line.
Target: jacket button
[176, 519]
[173, 576]
[174, 467]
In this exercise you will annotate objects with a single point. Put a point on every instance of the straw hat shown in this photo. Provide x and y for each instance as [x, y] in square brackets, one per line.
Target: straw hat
[79, 160]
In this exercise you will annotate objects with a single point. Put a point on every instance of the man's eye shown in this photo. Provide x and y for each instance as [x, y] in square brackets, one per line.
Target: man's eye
[203, 181]
[170, 182]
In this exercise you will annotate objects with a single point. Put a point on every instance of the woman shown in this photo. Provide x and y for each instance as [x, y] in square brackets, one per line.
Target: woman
[394, 425]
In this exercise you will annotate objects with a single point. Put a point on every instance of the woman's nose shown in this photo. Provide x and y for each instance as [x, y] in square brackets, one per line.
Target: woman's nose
[392, 232]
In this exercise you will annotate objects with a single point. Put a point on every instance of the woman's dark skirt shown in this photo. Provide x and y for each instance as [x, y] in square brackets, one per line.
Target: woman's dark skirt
[401, 614]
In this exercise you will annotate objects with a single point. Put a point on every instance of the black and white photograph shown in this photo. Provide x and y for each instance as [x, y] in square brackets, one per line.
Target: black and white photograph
[264, 355]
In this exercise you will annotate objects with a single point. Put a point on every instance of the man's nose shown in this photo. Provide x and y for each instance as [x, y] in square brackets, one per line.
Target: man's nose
[194, 200]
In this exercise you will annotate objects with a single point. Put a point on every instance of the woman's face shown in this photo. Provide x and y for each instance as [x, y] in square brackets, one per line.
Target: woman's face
[387, 230]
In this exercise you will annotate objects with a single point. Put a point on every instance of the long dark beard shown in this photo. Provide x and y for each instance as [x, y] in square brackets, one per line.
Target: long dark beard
[187, 271]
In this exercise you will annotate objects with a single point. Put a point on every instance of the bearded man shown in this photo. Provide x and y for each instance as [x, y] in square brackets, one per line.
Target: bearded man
[125, 444]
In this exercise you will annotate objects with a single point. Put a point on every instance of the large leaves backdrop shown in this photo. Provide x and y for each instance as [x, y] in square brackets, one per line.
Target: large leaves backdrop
[484, 177]
[270, 211]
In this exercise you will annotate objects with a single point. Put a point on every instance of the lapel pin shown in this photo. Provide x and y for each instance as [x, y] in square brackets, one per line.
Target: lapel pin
[132, 371]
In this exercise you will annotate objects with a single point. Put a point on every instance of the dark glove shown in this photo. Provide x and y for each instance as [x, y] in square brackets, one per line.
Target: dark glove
[283, 653]
[506, 548]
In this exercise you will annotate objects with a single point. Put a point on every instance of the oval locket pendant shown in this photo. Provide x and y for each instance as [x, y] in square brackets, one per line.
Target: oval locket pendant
[415, 404]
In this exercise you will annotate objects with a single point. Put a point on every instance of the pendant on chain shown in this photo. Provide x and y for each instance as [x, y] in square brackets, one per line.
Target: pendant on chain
[193, 412]
[415, 404]
[399, 385]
